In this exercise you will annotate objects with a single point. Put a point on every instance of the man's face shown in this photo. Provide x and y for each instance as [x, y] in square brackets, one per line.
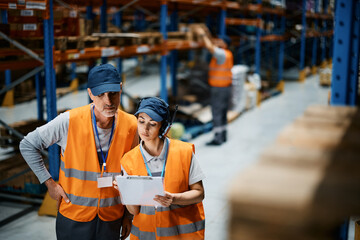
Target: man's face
[106, 103]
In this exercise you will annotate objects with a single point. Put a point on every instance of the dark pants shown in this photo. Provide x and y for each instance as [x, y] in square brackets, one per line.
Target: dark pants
[220, 97]
[67, 229]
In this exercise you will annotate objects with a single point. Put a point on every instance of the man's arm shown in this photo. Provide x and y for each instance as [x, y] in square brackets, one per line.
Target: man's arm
[207, 41]
[53, 132]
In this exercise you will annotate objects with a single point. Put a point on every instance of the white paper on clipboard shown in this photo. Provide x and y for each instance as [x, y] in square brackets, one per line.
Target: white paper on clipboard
[140, 190]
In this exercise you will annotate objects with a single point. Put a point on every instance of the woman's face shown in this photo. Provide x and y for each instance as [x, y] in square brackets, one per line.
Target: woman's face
[148, 129]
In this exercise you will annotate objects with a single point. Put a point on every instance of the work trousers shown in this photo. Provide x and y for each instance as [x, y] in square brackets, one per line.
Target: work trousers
[67, 229]
[220, 97]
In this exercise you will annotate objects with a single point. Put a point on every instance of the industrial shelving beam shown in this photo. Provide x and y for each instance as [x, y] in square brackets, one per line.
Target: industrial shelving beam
[303, 42]
[258, 44]
[103, 23]
[324, 38]
[344, 82]
[50, 84]
[174, 20]
[163, 66]
[315, 41]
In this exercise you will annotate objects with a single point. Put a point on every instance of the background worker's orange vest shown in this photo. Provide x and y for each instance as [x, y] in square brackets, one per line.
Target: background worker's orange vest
[220, 75]
[175, 222]
[79, 167]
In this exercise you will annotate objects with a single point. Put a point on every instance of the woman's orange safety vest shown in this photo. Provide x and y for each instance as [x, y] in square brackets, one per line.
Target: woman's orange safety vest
[174, 222]
[220, 75]
[79, 167]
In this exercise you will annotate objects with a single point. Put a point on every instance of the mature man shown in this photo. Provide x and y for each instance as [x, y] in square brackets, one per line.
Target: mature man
[220, 80]
[93, 138]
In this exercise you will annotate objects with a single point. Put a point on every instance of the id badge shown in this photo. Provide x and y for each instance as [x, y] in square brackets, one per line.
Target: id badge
[105, 180]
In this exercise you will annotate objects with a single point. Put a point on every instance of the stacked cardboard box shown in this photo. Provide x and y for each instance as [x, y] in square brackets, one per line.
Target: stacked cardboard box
[305, 185]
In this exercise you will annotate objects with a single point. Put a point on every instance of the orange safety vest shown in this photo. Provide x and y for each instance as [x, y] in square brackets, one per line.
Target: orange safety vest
[174, 222]
[220, 75]
[80, 167]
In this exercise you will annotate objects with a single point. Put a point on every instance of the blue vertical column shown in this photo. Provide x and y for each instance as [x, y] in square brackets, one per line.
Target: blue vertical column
[50, 86]
[174, 53]
[163, 67]
[267, 47]
[274, 48]
[89, 17]
[315, 41]
[118, 23]
[4, 20]
[354, 55]
[10, 93]
[302, 42]
[139, 21]
[282, 48]
[324, 38]
[73, 71]
[346, 53]
[119, 61]
[39, 95]
[222, 26]
[103, 23]
[7, 77]
[258, 45]
[89, 13]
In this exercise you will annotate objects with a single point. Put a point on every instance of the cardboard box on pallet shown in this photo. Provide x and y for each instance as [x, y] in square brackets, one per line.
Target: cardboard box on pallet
[24, 183]
[18, 30]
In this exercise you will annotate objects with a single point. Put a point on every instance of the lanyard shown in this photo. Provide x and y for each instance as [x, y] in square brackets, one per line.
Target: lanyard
[166, 154]
[97, 135]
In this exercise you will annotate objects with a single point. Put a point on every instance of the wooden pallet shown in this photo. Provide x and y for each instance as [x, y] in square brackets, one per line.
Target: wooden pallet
[306, 184]
[22, 183]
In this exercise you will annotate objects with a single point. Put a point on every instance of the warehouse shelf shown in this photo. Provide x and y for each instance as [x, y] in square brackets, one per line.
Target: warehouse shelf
[232, 16]
[123, 52]
[315, 25]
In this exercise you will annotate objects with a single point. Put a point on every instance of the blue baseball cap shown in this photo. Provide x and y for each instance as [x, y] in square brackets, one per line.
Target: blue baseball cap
[104, 78]
[155, 108]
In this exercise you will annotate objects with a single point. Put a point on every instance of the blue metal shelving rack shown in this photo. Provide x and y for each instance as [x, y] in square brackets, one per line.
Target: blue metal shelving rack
[50, 84]
[163, 66]
[344, 82]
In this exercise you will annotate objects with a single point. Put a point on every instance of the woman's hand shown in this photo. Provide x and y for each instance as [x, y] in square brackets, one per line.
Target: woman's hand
[115, 185]
[165, 200]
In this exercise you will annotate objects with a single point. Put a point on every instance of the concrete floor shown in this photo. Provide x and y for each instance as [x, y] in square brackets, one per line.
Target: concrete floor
[248, 136]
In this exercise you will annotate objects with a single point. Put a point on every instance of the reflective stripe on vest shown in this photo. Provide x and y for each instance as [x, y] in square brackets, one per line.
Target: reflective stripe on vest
[82, 175]
[181, 229]
[221, 75]
[149, 210]
[219, 69]
[169, 231]
[141, 234]
[93, 202]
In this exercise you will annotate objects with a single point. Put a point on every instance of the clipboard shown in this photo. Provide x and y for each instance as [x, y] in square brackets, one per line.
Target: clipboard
[140, 190]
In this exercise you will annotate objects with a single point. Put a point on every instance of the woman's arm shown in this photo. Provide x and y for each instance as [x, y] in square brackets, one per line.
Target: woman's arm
[133, 209]
[194, 195]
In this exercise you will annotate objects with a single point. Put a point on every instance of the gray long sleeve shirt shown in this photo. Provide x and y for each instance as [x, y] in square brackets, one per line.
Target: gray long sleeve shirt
[55, 131]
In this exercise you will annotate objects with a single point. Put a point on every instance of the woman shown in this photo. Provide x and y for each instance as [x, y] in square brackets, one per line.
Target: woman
[181, 215]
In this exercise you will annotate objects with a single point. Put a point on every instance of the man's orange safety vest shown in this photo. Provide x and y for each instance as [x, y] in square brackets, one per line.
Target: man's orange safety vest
[220, 75]
[176, 221]
[79, 167]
